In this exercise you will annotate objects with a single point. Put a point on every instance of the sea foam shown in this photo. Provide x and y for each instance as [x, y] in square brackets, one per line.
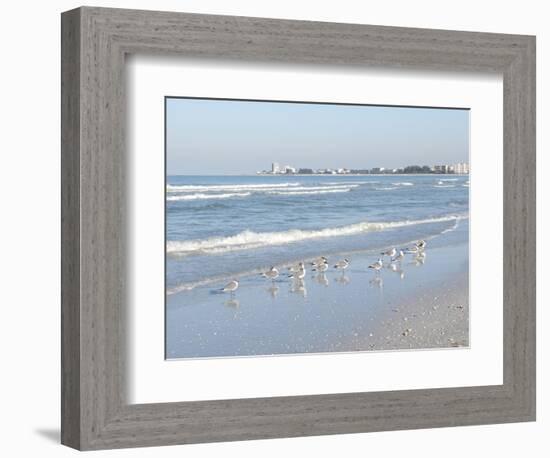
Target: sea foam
[226, 187]
[250, 240]
[309, 192]
[200, 196]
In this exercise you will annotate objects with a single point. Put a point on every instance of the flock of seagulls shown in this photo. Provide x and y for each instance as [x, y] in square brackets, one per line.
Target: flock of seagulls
[298, 272]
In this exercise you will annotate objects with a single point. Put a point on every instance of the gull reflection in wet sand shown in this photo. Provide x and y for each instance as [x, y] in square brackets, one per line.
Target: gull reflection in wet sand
[232, 303]
[343, 279]
[377, 282]
[398, 270]
[273, 291]
[322, 279]
[299, 287]
[419, 259]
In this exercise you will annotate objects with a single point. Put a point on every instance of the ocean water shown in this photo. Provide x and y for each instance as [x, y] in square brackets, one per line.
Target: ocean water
[224, 227]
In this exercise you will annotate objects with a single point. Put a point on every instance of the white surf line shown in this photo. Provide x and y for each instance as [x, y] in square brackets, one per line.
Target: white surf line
[206, 196]
[304, 193]
[314, 188]
[226, 187]
[330, 183]
[269, 189]
[249, 240]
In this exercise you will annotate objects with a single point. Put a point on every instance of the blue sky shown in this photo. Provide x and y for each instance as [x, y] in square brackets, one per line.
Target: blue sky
[212, 137]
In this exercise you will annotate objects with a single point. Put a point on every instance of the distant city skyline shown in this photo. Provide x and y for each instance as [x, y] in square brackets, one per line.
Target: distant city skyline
[460, 168]
[210, 137]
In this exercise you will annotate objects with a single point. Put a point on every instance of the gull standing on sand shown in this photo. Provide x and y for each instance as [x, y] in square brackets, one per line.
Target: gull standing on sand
[317, 262]
[342, 265]
[391, 253]
[231, 287]
[377, 265]
[300, 274]
[297, 268]
[321, 267]
[412, 250]
[272, 273]
[398, 257]
[421, 244]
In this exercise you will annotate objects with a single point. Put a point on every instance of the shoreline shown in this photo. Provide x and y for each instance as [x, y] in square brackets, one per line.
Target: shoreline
[421, 304]
[327, 175]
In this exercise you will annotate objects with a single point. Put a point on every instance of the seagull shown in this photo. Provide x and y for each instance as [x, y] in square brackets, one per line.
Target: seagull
[231, 287]
[297, 267]
[319, 261]
[342, 264]
[391, 253]
[412, 250]
[272, 273]
[398, 257]
[421, 245]
[377, 265]
[300, 274]
[321, 267]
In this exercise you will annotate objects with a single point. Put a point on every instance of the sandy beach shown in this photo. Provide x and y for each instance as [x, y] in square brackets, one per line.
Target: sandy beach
[420, 303]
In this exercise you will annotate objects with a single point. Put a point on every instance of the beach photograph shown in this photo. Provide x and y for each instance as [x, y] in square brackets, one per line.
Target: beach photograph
[303, 228]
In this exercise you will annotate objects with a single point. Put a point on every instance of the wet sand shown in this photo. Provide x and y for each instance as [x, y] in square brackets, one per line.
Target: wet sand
[421, 303]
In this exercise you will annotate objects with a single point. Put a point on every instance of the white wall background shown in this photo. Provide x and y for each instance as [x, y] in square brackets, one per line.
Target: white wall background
[29, 229]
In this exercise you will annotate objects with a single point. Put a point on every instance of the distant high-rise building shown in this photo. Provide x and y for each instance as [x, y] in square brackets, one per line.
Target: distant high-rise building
[289, 169]
[462, 168]
[441, 169]
[275, 167]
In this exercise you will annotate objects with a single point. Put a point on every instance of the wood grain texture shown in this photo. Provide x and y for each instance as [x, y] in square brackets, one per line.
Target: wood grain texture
[96, 414]
[70, 229]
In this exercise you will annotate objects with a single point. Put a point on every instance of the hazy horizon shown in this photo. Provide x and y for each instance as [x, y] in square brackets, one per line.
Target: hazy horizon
[221, 137]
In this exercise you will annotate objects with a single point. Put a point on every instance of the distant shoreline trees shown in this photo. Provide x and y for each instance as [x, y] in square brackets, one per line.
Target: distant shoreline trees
[417, 169]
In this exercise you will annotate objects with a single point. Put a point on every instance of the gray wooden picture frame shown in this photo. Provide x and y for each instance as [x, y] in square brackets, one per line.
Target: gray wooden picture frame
[95, 412]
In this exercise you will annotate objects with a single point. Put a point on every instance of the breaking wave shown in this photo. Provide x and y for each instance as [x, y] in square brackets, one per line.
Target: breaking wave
[200, 196]
[250, 240]
[227, 187]
[300, 193]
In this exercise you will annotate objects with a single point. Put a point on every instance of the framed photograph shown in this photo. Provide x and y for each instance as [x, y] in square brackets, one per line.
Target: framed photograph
[278, 228]
[302, 255]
